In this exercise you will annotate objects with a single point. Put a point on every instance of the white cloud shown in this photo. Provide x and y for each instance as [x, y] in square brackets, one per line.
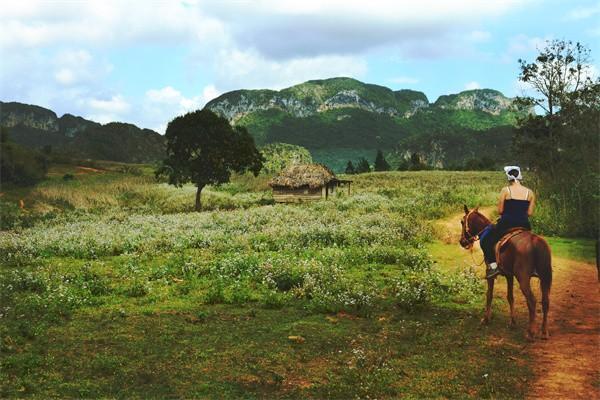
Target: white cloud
[523, 46]
[116, 104]
[208, 93]
[479, 36]
[162, 105]
[472, 85]
[404, 80]
[580, 13]
[106, 22]
[249, 69]
[115, 108]
[274, 28]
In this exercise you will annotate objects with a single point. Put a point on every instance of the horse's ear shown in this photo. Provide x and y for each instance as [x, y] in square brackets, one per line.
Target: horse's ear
[476, 208]
[466, 209]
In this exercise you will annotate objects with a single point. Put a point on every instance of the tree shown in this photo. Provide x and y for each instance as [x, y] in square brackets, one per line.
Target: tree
[350, 168]
[362, 166]
[380, 163]
[19, 165]
[562, 67]
[204, 149]
[562, 146]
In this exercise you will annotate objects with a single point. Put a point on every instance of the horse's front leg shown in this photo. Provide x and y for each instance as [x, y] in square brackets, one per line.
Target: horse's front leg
[511, 299]
[488, 305]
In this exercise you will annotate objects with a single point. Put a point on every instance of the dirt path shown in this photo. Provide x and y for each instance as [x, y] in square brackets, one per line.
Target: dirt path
[567, 366]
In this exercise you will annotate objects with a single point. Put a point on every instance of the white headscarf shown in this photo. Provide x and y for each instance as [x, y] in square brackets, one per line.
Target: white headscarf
[509, 168]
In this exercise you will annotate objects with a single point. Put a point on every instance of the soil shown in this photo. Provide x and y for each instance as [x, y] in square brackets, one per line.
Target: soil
[567, 365]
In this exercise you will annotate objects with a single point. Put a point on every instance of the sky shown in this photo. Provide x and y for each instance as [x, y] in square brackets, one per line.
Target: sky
[147, 61]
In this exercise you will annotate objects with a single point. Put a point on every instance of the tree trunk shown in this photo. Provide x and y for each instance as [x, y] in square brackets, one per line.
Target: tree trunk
[198, 206]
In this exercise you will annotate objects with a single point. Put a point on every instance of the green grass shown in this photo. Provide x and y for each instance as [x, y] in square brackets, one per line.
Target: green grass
[345, 298]
[577, 249]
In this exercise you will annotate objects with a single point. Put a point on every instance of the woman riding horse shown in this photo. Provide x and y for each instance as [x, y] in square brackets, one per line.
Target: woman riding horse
[524, 255]
[515, 206]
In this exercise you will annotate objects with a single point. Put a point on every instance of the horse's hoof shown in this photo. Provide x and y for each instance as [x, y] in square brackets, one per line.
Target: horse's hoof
[485, 321]
[545, 336]
[512, 325]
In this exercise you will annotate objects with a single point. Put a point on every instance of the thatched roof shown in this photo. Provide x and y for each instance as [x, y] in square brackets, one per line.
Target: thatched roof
[299, 175]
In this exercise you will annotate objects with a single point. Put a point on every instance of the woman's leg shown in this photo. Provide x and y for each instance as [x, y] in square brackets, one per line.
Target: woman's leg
[487, 245]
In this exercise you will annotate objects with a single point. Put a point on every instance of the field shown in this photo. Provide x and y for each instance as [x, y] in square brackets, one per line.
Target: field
[111, 287]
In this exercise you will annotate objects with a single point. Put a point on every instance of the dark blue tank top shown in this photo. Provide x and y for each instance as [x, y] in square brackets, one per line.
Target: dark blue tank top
[515, 213]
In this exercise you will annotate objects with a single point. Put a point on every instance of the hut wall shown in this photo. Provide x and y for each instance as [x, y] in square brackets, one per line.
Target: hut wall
[285, 195]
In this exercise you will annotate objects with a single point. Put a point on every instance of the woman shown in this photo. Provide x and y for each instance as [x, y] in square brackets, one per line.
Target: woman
[515, 206]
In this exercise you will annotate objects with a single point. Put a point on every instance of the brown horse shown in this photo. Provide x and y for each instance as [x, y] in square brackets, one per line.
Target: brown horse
[521, 257]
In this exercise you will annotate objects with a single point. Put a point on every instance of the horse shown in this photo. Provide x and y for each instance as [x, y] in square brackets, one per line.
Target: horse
[522, 256]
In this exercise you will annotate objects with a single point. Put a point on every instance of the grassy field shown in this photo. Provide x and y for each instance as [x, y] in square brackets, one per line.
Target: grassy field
[111, 287]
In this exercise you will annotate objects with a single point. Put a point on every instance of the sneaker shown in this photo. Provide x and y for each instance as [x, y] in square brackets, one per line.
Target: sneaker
[492, 270]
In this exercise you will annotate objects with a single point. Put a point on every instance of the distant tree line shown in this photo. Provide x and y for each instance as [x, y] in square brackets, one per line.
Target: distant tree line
[362, 166]
[417, 161]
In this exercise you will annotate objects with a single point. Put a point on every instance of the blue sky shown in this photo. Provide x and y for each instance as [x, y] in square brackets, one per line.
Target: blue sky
[146, 62]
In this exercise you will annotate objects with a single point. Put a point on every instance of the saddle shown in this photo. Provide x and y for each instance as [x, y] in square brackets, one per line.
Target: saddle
[509, 234]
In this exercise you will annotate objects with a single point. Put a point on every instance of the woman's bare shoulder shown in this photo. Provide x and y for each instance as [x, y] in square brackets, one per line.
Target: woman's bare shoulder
[531, 193]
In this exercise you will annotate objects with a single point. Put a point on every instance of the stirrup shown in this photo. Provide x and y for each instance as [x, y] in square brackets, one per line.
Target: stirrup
[492, 273]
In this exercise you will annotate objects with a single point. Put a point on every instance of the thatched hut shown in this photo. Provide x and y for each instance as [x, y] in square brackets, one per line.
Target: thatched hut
[305, 182]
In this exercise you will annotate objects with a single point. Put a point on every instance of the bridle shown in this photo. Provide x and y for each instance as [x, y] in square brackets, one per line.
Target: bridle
[469, 237]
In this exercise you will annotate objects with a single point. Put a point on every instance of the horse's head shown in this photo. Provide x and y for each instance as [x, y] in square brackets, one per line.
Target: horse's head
[472, 223]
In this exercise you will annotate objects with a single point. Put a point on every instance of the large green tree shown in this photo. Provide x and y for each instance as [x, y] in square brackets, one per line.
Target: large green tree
[203, 148]
[562, 144]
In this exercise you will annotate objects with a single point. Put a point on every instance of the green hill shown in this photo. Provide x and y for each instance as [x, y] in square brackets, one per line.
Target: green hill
[341, 117]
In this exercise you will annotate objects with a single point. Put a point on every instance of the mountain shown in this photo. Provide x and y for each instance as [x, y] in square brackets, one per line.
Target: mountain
[36, 127]
[339, 119]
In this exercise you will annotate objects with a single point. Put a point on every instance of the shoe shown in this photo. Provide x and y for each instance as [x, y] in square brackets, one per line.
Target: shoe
[492, 270]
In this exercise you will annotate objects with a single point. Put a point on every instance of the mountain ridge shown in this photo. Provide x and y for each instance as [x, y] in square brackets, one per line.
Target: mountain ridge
[321, 95]
[36, 127]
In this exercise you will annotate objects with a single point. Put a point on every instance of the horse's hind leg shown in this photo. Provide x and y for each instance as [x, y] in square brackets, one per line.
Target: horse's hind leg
[511, 299]
[545, 307]
[526, 289]
[488, 304]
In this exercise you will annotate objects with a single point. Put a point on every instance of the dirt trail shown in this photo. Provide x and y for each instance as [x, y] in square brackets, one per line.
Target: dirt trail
[567, 366]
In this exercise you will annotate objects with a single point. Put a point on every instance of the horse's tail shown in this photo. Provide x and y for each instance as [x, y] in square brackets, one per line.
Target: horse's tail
[543, 262]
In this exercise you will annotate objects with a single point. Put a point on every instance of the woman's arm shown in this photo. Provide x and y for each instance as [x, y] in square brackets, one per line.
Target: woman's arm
[503, 194]
[531, 203]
